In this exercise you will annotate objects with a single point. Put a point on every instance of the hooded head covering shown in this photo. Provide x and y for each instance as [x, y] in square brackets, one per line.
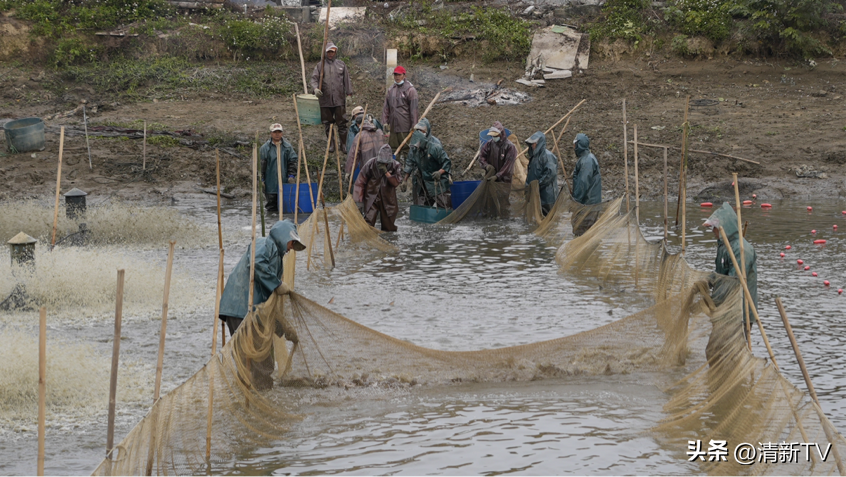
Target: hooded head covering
[725, 218]
[368, 125]
[582, 144]
[386, 155]
[539, 139]
[419, 138]
[283, 232]
[330, 46]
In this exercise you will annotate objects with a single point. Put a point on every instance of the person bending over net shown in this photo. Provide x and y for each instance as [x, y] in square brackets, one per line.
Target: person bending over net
[543, 167]
[587, 184]
[498, 155]
[268, 280]
[269, 176]
[725, 218]
[428, 165]
[376, 187]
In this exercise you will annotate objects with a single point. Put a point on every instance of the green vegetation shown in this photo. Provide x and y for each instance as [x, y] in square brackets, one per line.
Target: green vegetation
[622, 19]
[53, 18]
[163, 141]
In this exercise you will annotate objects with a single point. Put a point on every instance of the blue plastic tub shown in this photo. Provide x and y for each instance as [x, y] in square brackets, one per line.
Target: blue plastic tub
[483, 135]
[24, 135]
[461, 190]
[429, 215]
[289, 196]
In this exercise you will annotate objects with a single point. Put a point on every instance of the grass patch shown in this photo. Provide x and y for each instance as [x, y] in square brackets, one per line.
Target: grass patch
[163, 141]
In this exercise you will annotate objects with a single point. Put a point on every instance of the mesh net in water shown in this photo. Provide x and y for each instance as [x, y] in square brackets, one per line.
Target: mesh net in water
[731, 395]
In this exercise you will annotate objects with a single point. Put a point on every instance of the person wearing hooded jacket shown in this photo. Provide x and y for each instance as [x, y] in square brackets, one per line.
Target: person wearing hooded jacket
[497, 156]
[587, 184]
[376, 188]
[429, 167]
[356, 119]
[369, 144]
[726, 218]
[332, 94]
[399, 113]
[543, 167]
[268, 280]
[269, 175]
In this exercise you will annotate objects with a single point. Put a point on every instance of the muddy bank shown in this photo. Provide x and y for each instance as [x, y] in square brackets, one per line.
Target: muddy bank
[791, 119]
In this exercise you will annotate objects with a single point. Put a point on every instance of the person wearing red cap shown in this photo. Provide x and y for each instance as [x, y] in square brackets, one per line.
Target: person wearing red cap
[399, 114]
[332, 94]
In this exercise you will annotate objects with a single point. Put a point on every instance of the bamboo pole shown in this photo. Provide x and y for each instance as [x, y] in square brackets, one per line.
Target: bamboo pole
[87, 144]
[637, 186]
[302, 62]
[218, 293]
[144, 150]
[253, 239]
[58, 187]
[428, 108]
[319, 192]
[305, 161]
[261, 192]
[297, 188]
[160, 362]
[748, 327]
[323, 201]
[626, 155]
[831, 438]
[42, 386]
[110, 433]
[356, 154]
[279, 199]
[666, 219]
[563, 118]
[478, 152]
[698, 152]
[325, 40]
[338, 162]
[683, 162]
[748, 296]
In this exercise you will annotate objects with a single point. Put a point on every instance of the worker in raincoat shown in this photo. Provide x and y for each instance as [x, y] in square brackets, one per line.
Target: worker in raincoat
[429, 167]
[269, 176]
[371, 141]
[399, 113]
[725, 218]
[543, 167]
[587, 184]
[332, 94]
[377, 185]
[268, 280]
[498, 155]
[356, 120]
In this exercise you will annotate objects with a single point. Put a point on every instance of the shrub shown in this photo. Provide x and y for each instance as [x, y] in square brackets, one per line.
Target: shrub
[621, 19]
[709, 18]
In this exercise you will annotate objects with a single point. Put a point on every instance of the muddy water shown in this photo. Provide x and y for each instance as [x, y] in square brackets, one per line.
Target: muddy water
[470, 286]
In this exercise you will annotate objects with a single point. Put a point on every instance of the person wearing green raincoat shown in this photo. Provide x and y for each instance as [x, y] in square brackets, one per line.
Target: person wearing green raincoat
[587, 184]
[726, 218]
[268, 280]
[429, 168]
[267, 154]
[543, 167]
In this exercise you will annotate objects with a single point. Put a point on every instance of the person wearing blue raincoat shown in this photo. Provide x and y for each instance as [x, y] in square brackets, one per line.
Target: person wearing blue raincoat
[543, 167]
[267, 154]
[268, 280]
[587, 184]
[428, 161]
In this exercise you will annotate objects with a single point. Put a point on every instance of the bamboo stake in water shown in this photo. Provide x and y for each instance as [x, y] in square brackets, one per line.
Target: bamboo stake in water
[319, 191]
[666, 220]
[626, 154]
[636, 187]
[220, 246]
[748, 327]
[163, 333]
[253, 239]
[683, 162]
[218, 293]
[748, 296]
[144, 150]
[831, 438]
[58, 187]
[297, 188]
[357, 154]
[261, 192]
[305, 160]
[279, 197]
[110, 433]
[42, 386]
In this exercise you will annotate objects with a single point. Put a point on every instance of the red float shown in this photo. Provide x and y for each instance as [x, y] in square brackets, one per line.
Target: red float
[787, 247]
[810, 208]
[807, 267]
[814, 274]
[747, 202]
[800, 262]
[819, 242]
[813, 231]
[782, 254]
[706, 204]
[770, 205]
[839, 291]
[826, 283]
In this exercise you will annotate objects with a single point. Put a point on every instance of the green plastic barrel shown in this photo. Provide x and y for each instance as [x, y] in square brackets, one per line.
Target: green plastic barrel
[428, 215]
[24, 135]
[309, 109]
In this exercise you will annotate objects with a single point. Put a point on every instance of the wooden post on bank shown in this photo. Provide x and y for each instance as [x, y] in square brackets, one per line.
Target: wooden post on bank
[42, 386]
[58, 187]
[110, 433]
[626, 154]
[666, 219]
[144, 149]
[163, 333]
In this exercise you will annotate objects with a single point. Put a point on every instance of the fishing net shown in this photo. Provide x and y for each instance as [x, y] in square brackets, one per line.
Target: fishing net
[693, 324]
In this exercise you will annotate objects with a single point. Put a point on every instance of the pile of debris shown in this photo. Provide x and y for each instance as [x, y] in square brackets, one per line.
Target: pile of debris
[494, 95]
[557, 52]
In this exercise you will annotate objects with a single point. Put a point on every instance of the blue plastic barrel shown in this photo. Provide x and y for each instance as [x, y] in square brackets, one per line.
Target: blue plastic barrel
[483, 135]
[461, 190]
[24, 135]
[289, 197]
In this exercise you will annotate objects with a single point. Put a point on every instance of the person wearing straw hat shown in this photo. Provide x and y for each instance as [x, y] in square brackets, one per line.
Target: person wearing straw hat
[726, 218]
[587, 184]
[267, 153]
[332, 94]
[543, 167]
[357, 117]
[268, 280]
[426, 155]
[376, 189]
[497, 156]
[399, 113]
